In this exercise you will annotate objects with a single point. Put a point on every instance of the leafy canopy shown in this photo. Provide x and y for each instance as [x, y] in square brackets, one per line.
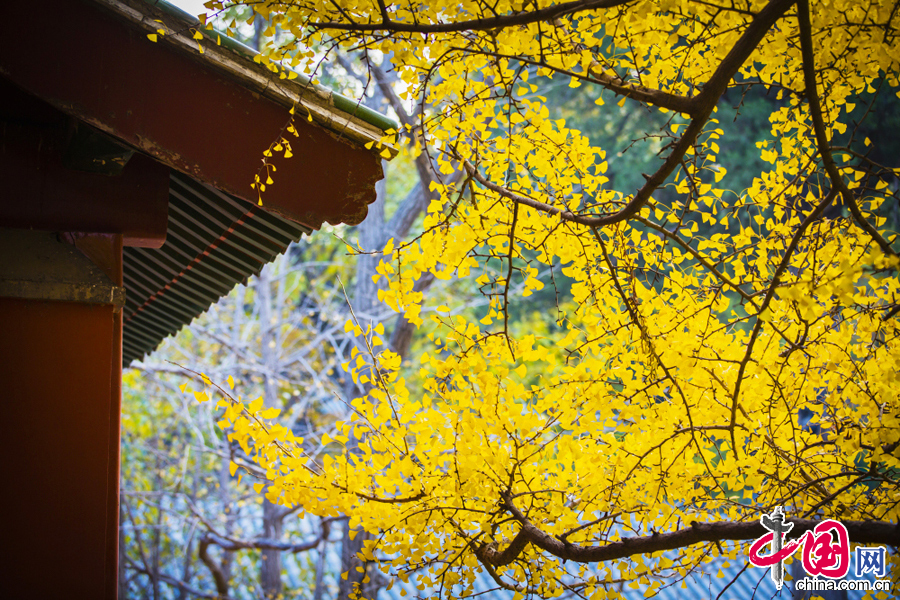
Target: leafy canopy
[722, 352]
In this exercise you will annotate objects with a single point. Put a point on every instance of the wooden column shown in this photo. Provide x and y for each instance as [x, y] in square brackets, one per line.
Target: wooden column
[60, 367]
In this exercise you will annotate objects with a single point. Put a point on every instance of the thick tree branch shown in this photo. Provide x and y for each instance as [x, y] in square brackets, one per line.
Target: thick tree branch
[218, 575]
[490, 554]
[511, 20]
[706, 102]
[815, 111]
[862, 532]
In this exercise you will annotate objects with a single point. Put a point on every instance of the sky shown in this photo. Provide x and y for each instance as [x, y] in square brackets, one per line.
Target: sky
[195, 7]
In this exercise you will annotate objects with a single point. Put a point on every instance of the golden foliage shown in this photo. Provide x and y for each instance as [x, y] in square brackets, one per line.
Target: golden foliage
[673, 391]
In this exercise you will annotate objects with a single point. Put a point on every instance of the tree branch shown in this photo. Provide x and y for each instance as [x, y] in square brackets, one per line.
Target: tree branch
[757, 326]
[489, 553]
[703, 103]
[523, 18]
[401, 337]
[815, 111]
[178, 583]
[216, 571]
[862, 532]
[265, 544]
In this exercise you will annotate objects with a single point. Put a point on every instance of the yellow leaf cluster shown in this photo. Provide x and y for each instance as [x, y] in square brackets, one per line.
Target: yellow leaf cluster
[722, 352]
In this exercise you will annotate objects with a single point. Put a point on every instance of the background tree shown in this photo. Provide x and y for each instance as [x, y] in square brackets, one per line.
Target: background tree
[702, 377]
[195, 524]
[191, 522]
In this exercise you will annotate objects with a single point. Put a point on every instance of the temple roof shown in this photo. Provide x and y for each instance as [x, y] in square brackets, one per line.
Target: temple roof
[161, 142]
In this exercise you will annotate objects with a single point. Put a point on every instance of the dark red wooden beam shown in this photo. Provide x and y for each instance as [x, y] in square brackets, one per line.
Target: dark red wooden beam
[41, 192]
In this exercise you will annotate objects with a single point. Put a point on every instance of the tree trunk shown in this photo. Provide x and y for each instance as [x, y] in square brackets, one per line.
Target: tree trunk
[270, 568]
[364, 302]
[319, 590]
[122, 576]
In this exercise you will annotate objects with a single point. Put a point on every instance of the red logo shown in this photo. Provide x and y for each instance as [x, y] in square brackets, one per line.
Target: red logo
[826, 548]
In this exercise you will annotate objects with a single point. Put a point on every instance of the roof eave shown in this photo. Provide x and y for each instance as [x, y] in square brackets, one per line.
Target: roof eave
[339, 114]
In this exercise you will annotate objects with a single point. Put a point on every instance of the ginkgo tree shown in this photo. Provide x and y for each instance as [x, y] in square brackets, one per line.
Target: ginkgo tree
[722, 353]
